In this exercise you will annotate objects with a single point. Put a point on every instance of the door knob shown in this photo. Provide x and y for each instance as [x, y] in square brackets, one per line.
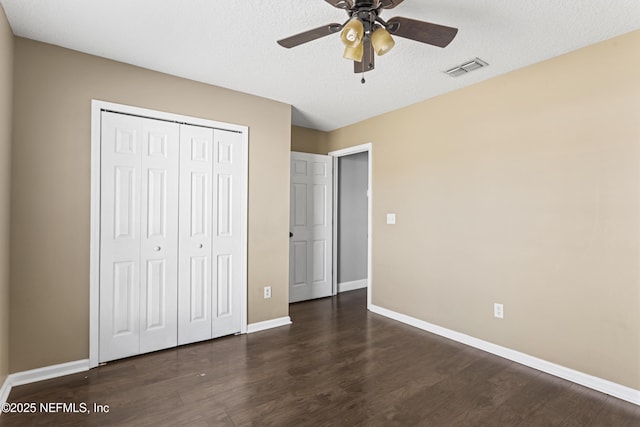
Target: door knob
[200, 245]
[157, 248]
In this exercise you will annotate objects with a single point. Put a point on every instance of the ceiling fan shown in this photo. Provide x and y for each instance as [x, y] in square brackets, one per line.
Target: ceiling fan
[365, 33]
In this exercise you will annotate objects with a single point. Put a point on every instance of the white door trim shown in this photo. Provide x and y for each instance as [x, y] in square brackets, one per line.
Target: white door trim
[94, 250]
[368, 147]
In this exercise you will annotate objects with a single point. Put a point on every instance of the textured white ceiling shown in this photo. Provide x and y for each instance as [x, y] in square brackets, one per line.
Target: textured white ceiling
[233, 44]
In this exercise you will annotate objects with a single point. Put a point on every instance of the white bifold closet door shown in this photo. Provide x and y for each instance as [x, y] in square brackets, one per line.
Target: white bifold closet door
[209, 283]
[139, 235]
[170, 238]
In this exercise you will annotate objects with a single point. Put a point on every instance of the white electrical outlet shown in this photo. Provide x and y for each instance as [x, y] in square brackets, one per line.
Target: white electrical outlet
[267, 292]
[498, 311]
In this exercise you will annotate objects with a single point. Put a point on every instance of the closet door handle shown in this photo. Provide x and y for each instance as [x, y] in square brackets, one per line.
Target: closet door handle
[157, 248]
[200, 246]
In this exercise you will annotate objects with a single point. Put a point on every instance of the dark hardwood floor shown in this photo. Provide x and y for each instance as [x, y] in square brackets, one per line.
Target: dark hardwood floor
[337, 365]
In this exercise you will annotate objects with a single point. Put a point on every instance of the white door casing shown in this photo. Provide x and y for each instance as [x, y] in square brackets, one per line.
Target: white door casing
[311, 213]
[368, 147]
[144, 167]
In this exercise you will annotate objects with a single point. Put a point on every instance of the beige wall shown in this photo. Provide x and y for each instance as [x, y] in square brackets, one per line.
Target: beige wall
[6, 84]
[522, 190]
[51, 178]
[307, 140]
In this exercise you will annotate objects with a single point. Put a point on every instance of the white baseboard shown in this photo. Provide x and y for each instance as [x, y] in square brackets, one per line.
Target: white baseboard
[352, 286]
[616, 390]
[41, 374]
[55, 371]
[268, 324]
[4, 392]
[599, 384]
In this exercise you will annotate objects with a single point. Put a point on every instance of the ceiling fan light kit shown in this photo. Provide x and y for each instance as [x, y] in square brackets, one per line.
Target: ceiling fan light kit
[365, 33]
[352, 33]
[382, 41]
[354, 53]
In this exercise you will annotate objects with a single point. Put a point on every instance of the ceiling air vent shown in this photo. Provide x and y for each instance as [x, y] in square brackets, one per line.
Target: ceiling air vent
[467, 67]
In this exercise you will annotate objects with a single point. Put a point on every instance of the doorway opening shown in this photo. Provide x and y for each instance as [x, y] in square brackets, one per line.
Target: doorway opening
[352, 219]
[330, 223]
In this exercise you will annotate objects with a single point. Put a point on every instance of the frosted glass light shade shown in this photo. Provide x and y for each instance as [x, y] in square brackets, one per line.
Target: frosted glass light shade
[352, 33]
[354, 53]
[382, 41]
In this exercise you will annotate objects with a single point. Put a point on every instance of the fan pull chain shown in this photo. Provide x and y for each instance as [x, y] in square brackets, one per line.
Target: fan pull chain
[363, 81]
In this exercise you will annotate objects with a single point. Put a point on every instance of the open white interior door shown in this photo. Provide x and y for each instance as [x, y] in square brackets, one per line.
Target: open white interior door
[311, 218]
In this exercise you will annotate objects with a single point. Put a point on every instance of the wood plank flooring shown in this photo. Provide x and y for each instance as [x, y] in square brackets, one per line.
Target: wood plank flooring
[337, 365]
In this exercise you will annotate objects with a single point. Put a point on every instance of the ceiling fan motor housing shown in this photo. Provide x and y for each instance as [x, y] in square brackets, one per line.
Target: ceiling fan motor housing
[367, 17]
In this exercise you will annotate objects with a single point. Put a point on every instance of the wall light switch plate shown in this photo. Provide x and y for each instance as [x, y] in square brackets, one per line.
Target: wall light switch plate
[391, 218]
[498, 311]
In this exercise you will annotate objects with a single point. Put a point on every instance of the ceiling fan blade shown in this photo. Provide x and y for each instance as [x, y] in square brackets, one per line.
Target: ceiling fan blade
[310, 35]
[341, 4]
[389, 4]
[368, 58]
[425, 32]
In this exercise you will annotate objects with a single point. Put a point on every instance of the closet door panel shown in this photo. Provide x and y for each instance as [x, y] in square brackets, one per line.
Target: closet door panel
[227, 236]
[159, 243]
[196, 225]
[120, 236]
